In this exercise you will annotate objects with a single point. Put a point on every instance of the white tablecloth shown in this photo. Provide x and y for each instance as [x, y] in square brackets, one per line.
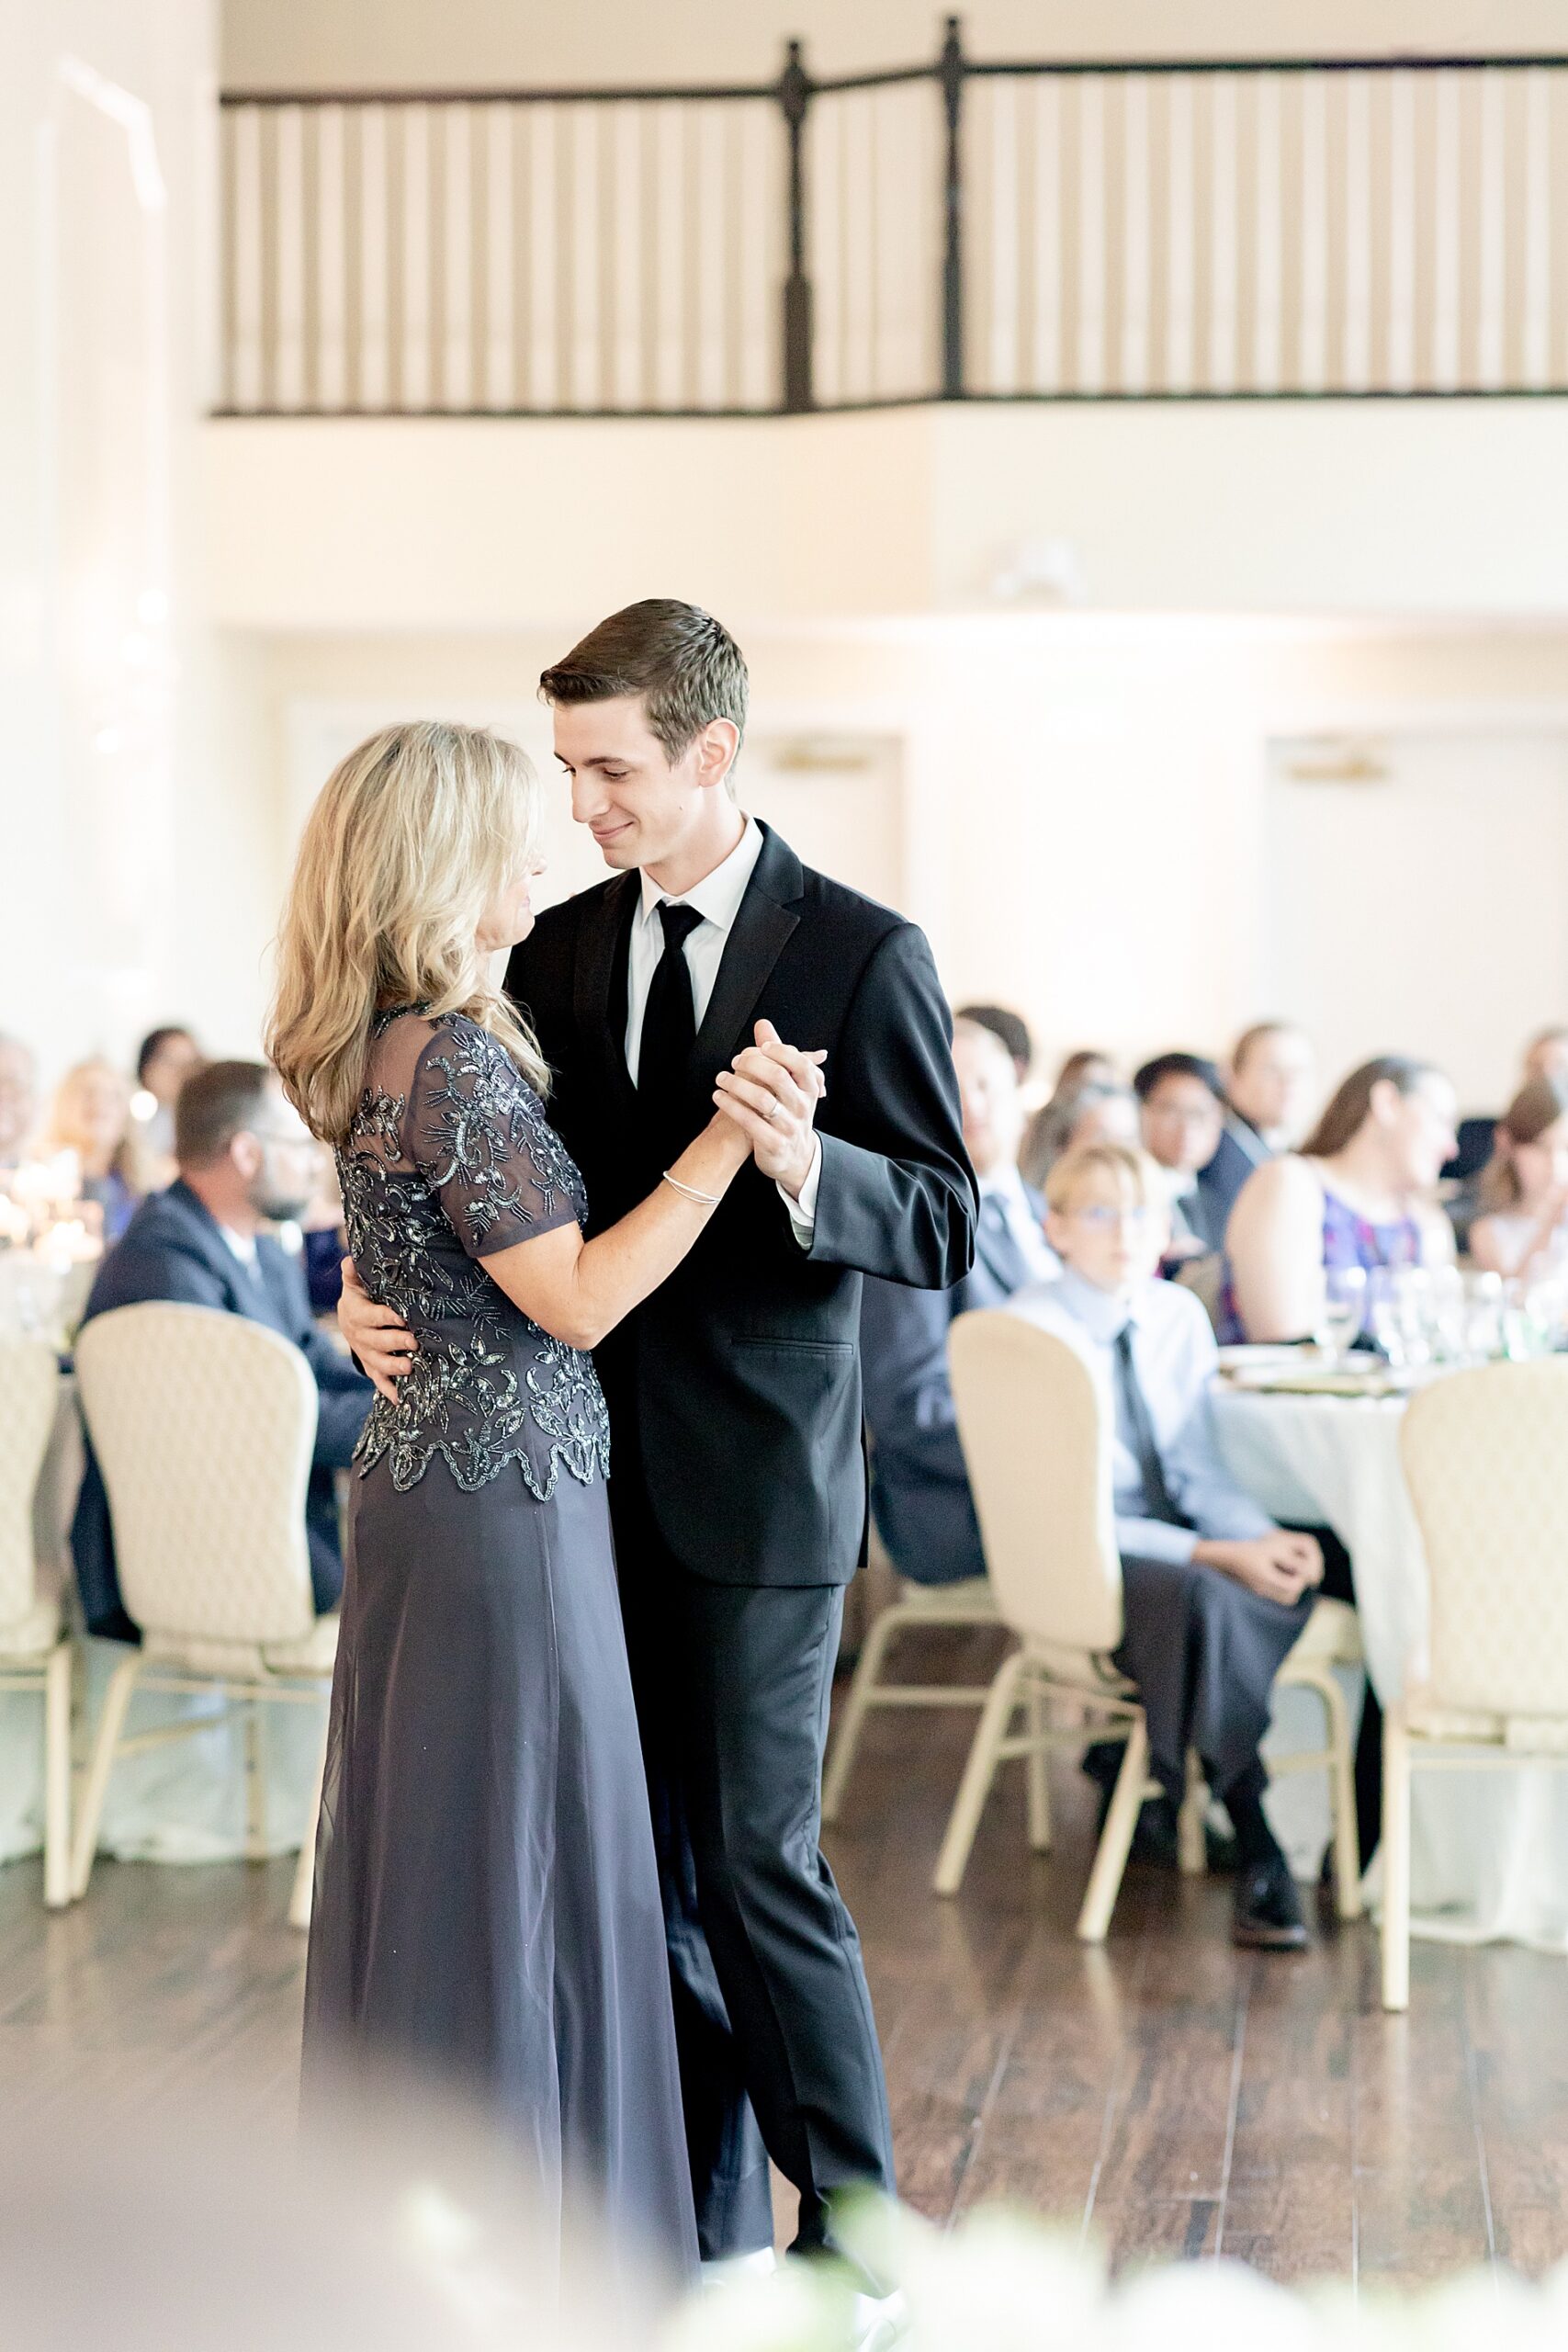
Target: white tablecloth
[185, 1802]
[1490, 1848]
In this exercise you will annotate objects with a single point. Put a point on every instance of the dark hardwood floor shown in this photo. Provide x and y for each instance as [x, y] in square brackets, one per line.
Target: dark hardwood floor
[1174, 2096]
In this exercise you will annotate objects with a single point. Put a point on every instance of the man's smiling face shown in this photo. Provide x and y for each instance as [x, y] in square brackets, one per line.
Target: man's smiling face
[639, 805]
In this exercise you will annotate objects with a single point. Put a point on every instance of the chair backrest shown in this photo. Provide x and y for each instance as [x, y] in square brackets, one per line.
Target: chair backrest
[1036, 1431]
[1486, 1461]
[203, 1424]
[29, 1385]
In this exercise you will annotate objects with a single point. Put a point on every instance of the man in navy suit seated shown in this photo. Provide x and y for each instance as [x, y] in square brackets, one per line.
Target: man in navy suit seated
[919, 1487]
[1270, 1093]
[245, 1158]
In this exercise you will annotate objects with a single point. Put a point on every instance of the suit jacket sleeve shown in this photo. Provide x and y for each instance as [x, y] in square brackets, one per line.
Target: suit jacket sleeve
[897, 1195]
[909, 1396]
[343, 1395]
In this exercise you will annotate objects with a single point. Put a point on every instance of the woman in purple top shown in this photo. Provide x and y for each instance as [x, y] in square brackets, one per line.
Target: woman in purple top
[1359, 1193]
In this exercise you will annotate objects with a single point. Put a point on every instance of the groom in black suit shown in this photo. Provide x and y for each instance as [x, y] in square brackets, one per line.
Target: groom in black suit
[709, 967]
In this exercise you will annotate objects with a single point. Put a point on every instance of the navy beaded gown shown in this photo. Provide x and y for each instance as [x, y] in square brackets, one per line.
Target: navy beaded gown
[487, 1902]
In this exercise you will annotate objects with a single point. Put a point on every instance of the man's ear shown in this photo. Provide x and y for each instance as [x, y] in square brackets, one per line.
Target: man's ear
[716, 748]
[245, 1154]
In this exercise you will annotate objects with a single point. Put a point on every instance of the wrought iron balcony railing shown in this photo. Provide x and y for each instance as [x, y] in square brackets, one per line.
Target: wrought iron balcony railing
[957, 231]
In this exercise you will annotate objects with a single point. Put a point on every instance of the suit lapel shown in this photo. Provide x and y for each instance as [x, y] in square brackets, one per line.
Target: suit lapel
[602, 943]
[765, 922]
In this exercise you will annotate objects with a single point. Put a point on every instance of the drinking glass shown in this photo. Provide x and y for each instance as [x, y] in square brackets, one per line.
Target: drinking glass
[1447, 1316]
[1413, 1291]
[1484, 1317]
[1343, 1307]
[1386, 1318]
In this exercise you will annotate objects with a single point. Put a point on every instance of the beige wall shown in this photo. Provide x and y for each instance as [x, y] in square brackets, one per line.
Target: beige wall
[1456, 507]
[305, 44]
[1085, 798]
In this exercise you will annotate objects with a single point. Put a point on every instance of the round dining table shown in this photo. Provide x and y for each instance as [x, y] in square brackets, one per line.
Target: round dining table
[1489, 1858]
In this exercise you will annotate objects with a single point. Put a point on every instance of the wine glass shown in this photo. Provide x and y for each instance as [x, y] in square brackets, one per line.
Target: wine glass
[1446, 1310]
[1385, 1317]
[1484, 1317]
[1344, 1308]
[1413, 1291]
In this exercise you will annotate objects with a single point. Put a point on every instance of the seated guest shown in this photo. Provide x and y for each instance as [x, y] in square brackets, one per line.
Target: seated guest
[1093, 1111]
[1214, 1594]
[1546, 1056]
[1269, 1096]
[245, 1160]
[18, 1099]
[1086, 1066]
[164, 1062]
[919, 1489]
[1523, 1225]
[91, 1116]
[1183, 1117]
[1359, 1193]
[1010, 1028]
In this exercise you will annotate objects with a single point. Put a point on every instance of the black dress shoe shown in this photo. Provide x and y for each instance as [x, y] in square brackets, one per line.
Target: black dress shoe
[1154, 1840]
[1267, 1909]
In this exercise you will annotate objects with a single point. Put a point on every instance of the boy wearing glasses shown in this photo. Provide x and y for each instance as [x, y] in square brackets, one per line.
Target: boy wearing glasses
[1215, 1593]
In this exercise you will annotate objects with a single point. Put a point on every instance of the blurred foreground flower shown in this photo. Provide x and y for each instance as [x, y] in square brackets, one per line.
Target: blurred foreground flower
[1004, 2281]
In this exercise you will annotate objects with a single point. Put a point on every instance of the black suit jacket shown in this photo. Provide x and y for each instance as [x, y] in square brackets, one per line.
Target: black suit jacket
[173, 1248]
[734, 1390]
[920, 1483]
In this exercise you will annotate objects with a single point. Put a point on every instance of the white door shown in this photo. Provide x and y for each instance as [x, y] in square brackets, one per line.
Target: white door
[838, 800]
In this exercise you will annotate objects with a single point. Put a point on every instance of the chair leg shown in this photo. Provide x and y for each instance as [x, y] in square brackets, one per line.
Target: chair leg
[255, 1783]
[1395, 1858]
[1116, 1837]
[57, 1778]
[1346, 1846]
[111, 1722]
[1035, 1765]
[978, 1773]
[305, 1872]
[1191, 1847]
[857, 1706]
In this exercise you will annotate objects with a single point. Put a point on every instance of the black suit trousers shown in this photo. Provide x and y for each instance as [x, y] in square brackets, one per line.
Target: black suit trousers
[773, 2016]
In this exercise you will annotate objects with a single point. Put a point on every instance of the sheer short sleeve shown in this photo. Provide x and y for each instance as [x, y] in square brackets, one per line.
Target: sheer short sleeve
[478, 1134]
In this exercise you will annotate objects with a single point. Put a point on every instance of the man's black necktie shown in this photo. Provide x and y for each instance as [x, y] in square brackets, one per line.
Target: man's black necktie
[997, 1247]
[669, 1019]
[1139, 1433]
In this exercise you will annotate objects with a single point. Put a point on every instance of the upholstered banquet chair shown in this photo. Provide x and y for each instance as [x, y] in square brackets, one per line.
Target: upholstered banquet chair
[203, 1424]
[1037, 1429]
[1485, 1454]
[35, 1653]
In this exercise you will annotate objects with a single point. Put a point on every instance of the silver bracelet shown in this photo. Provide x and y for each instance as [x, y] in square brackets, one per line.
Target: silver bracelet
[690, 1192]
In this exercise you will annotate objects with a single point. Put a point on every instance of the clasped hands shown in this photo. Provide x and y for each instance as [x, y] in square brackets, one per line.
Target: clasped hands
[1279, 1566]
[771, 1091]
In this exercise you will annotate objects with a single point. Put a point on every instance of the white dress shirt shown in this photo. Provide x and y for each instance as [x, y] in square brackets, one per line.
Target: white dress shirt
[717, 897]
[1175, 1360]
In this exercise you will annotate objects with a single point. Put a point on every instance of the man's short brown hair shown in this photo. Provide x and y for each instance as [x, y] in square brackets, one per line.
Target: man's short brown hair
[214, 1105]
[685, 664]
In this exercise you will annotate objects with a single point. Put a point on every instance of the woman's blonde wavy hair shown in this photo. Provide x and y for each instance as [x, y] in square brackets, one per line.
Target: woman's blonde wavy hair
[411, 837]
